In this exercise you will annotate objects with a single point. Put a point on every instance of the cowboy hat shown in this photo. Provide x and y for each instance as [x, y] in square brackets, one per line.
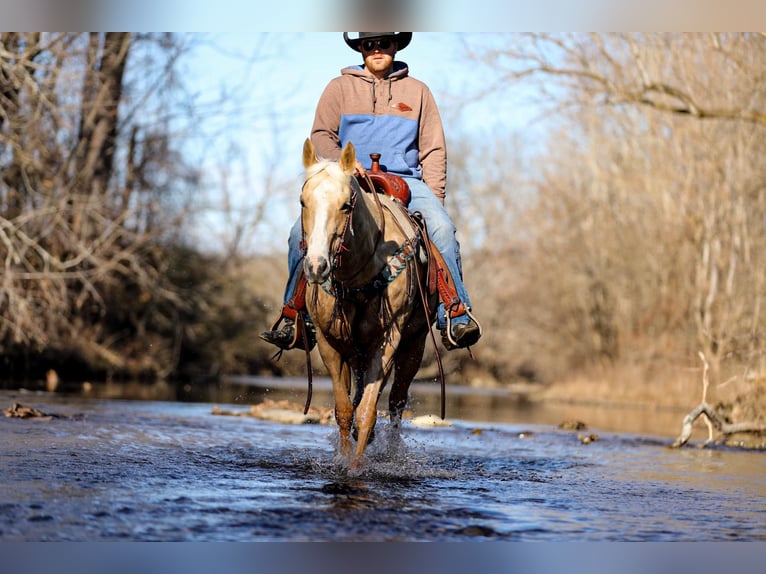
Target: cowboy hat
[402, 39]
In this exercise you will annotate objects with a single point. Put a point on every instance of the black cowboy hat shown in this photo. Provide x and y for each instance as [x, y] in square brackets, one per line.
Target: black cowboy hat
[402, 39]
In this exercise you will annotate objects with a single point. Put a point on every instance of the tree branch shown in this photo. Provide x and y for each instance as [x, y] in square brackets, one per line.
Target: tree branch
[723, 428]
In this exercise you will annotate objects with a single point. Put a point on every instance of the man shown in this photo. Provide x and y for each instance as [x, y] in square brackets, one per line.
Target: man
[380, 108]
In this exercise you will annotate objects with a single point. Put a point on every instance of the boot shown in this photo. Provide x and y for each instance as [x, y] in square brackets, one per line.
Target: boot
[460, 329]
[288, 337]
[461, 334]
[297, 321]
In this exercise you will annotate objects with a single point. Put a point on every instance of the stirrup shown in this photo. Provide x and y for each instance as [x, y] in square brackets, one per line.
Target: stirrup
[300, 325]
[449, 341]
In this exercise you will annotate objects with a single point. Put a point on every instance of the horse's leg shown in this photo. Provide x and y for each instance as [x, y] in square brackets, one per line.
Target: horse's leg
[344, 410]
[407, 361]
[366, 413]
[340, 373]
[366, 416]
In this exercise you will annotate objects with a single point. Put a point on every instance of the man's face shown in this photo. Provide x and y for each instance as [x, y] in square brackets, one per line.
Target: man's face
[378, 54]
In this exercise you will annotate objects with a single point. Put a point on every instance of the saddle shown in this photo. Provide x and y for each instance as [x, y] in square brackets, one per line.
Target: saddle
[385, 183]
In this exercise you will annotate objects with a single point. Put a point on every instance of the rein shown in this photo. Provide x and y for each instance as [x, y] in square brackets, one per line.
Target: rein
[334, 287]
[396, 263]
[347, 226]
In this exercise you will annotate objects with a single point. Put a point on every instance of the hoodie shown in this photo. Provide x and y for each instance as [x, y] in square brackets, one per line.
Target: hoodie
[396, 117]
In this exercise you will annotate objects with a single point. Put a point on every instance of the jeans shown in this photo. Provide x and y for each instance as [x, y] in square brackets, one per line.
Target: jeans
[441, 230]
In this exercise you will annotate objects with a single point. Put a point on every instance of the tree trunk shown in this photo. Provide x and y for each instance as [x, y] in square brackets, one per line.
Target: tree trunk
[102, 92]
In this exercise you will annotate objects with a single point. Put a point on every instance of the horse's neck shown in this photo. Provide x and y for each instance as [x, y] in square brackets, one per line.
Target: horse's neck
[365, 249]
[368, 215]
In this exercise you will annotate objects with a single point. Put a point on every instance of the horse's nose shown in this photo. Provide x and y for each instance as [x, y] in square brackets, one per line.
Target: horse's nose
[317, 269]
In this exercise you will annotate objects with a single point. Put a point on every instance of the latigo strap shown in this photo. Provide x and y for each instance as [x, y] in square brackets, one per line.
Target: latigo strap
[297, 302]
[440, 278]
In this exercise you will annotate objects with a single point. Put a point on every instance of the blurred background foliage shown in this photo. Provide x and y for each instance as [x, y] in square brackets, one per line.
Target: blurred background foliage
[609, 251]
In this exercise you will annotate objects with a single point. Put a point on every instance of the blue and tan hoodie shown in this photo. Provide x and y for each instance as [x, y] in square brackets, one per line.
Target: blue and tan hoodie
[396, 117]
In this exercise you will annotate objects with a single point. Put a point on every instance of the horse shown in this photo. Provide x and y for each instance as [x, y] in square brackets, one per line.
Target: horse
[365, 264]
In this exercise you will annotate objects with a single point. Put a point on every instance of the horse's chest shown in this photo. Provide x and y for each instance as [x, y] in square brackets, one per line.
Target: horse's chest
[359, 322]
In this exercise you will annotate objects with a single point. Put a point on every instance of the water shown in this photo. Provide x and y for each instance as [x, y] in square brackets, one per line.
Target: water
[117, 470]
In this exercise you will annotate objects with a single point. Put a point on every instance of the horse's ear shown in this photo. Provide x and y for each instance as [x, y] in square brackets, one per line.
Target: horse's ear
[348, 158]
[309, 154]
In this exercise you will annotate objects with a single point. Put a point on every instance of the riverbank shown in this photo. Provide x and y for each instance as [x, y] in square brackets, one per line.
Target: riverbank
[631, 402]
[522, 404]
[736, 401]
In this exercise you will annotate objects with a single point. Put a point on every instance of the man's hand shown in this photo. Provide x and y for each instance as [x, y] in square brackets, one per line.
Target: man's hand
[359, 170]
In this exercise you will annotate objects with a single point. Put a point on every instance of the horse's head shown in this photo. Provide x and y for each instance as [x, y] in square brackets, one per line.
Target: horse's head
[327, 200]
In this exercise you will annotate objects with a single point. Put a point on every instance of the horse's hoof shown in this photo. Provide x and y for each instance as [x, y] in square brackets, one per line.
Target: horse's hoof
[356, 465]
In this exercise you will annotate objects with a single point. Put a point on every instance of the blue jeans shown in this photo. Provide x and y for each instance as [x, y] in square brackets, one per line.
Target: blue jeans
[441, 230]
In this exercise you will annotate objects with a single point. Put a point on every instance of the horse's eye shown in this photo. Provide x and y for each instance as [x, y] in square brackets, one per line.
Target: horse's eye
[346, 207]
[303, 205]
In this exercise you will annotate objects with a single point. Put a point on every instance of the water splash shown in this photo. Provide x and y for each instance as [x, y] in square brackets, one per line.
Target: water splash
[391, 456]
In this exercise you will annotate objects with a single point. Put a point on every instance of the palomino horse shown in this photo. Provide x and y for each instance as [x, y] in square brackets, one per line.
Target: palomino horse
[365, 267]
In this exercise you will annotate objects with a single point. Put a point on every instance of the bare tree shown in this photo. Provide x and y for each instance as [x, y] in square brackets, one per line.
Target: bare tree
[75, 241]
[645, 243]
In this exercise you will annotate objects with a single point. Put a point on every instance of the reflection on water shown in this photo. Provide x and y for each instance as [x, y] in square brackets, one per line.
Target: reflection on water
[463, 403]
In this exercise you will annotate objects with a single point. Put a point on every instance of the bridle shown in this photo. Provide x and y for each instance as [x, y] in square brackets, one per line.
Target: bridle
[335, 286]
[348, 227]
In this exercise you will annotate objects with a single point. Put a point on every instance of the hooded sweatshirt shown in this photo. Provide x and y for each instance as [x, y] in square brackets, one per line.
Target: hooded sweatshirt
[396, 117]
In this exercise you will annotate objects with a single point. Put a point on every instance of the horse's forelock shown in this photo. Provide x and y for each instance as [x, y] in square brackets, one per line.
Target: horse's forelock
[330, 167]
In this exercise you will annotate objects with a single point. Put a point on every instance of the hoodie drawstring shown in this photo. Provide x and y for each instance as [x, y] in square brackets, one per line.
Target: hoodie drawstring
[375, 96]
